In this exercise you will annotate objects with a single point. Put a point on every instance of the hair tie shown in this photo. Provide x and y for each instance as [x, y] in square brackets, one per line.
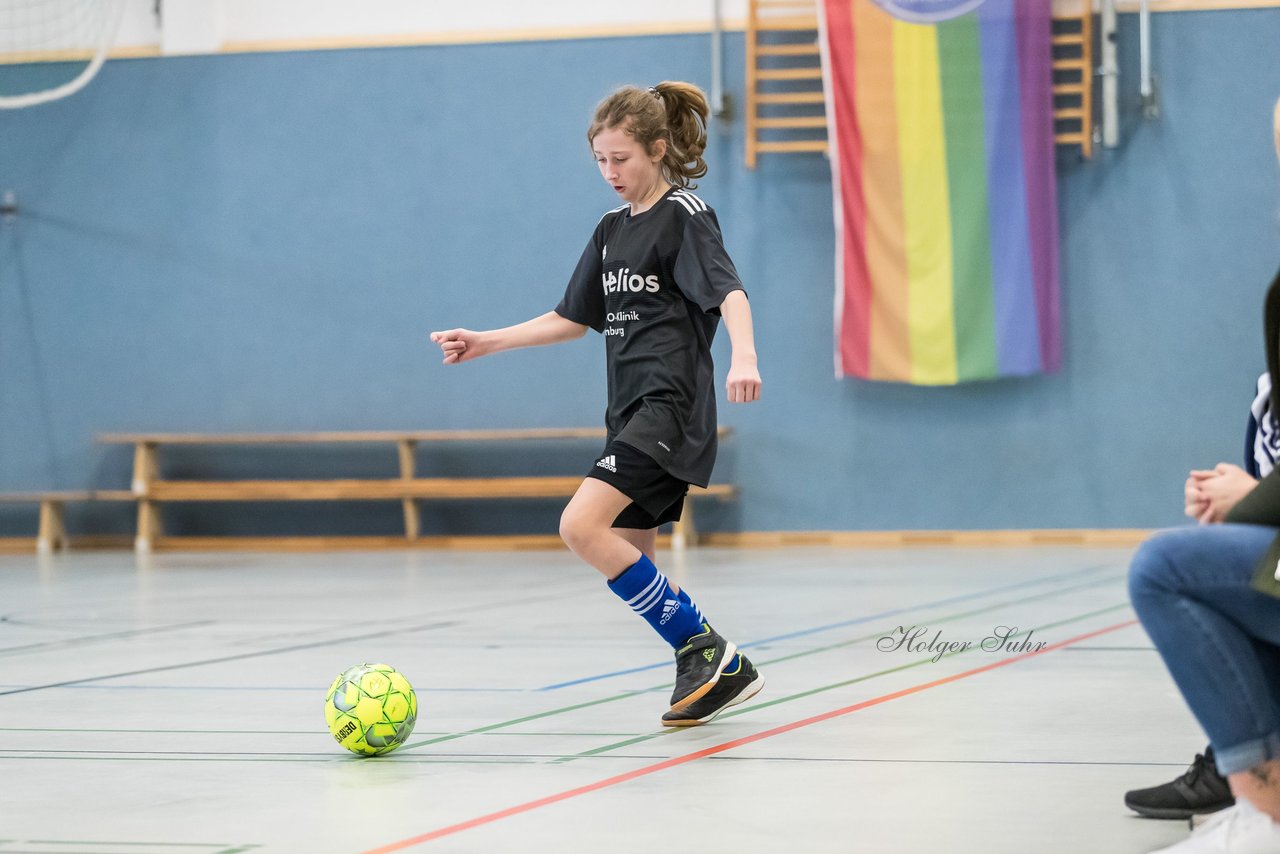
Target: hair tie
[654, 91]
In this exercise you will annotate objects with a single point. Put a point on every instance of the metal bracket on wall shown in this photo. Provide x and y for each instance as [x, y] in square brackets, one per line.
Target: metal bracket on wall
[1148, 99]
[719, 101]
[1109, 73]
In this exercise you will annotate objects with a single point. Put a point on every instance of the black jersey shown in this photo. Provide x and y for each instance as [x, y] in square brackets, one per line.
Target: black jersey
[652, 284]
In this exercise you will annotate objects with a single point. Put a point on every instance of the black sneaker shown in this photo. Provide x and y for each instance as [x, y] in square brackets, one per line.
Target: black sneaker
[736, 685]
[1200, 790]
[698, 666]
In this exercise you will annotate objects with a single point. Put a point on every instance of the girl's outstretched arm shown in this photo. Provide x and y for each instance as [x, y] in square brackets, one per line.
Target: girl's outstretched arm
[462, 345]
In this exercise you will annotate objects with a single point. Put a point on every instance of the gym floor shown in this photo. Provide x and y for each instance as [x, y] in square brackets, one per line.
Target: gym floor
[174, 703]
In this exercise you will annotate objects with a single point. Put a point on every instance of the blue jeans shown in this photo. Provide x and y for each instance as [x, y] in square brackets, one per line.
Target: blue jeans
[1218, 636]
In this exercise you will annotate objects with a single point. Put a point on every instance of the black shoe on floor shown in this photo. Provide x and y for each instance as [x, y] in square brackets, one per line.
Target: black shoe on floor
[698, 666]
[1200, 790]
[736, 685]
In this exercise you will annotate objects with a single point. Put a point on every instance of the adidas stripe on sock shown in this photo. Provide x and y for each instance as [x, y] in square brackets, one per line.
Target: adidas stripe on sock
[684, 597]
[649, 594]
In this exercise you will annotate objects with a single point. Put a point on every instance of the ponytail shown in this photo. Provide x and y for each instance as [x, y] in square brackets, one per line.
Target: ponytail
[686, 109]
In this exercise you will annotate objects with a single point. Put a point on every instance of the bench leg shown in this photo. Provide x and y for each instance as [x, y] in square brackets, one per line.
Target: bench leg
[146, 468]
[52, 534]
[412, 515]
[150, 527]
[412, 519]
[683, 532]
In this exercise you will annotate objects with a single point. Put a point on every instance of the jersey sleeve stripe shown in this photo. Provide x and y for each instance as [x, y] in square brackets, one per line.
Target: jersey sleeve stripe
[697, 202]
[675, 197]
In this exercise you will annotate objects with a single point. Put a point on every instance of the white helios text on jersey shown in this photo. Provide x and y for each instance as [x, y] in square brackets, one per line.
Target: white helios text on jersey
[624, 280]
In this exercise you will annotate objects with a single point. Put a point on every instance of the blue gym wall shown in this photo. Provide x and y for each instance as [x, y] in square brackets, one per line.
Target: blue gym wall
[263, 242]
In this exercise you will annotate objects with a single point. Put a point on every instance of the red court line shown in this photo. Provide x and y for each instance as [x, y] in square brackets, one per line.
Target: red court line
[728, 745]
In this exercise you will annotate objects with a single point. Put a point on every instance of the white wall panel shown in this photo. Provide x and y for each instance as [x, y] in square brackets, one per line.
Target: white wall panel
[245, 23]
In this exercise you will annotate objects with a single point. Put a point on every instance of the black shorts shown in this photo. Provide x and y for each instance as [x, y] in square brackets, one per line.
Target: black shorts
[656, 496]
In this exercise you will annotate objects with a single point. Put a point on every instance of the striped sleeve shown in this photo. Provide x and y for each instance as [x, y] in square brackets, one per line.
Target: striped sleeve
[704, 272]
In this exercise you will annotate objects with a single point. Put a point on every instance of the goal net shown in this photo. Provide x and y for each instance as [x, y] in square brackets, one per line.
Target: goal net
[50, 49]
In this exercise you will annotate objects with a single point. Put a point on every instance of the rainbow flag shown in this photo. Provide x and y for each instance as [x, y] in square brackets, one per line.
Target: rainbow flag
[940, 116]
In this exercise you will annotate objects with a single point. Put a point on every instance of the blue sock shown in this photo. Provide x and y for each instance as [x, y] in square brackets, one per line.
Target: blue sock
[684, 597]
[649, 594]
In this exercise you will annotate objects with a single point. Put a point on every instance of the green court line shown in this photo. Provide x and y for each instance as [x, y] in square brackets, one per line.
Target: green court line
[812, 651]
[835, 685]
[491, 727]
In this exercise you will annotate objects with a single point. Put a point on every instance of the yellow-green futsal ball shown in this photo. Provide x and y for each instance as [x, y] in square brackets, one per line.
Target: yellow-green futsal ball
[371, 709]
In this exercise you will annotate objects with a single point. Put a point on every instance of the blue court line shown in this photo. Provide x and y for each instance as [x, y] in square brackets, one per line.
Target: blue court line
[842, 624]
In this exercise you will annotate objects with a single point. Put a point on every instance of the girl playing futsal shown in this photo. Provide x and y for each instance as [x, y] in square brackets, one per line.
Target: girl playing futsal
[654, 280]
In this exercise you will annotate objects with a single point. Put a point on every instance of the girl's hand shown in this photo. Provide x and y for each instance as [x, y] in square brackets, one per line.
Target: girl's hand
[458, 345]
[1222, 489]
[1194, 501]
[743, 384]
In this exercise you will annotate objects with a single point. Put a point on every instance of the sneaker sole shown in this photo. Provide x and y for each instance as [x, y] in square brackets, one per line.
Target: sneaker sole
[730, 650]
[1183, 813]
[747, 693]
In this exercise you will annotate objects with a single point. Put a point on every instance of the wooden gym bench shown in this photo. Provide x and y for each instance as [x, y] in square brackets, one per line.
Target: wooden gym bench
[151, 490]
[52, 532]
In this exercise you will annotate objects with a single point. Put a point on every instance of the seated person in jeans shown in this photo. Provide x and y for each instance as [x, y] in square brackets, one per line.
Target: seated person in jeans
[1209, 597]
[1209, 495]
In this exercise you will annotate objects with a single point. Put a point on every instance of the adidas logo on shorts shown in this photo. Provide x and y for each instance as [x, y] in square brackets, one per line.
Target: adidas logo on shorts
[609, 463]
